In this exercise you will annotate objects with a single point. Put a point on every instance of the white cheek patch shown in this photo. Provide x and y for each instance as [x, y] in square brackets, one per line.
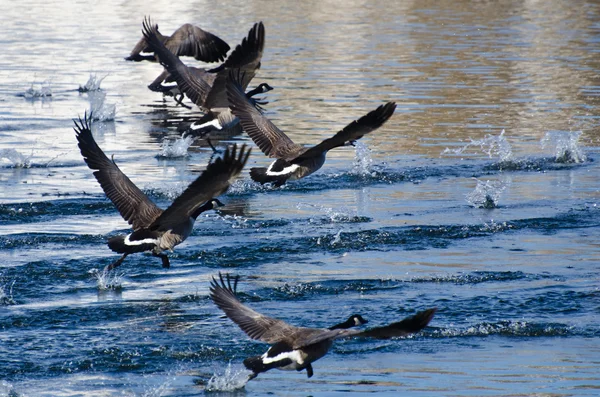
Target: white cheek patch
[356, 321]
[140, 242]
[287, 170]
[215, 123]
[294, 355]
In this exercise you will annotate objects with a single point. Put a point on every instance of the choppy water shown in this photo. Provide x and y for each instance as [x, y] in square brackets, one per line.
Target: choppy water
[496, 100]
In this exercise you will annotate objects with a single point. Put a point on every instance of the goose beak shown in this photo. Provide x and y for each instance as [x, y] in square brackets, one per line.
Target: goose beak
[350, 143]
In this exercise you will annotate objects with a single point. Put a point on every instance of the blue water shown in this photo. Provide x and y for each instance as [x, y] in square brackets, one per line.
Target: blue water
[397, 225]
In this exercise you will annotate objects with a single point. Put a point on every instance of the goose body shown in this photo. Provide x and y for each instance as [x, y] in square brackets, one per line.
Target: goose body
[156, 230]
[296, 348]
[294, 161]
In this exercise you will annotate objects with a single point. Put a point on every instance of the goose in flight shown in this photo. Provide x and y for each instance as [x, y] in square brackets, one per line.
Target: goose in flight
[206, 88]
[294, 161]
[296, 348]
[188, 40]
[154, 229]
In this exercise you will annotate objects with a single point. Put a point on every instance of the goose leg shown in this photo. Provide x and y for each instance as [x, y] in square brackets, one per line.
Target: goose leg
[179, 101]
[116, 263]
[165, 259]
[309, 371]
[211, 145]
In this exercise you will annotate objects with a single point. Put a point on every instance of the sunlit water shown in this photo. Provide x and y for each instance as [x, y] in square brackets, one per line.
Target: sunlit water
[480, 197]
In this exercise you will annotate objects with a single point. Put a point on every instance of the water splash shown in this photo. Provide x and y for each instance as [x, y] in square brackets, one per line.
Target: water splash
[337, 238]
[17, 159]
[493, 146]
[508, 328]
[38, 90]
[93, 83]
[7, 390]
[6, 294]
[565, 145]
[486, 194]
[108, 280]
[333, 215]
[363, 162]
[101, 111]
[175, 148]
[231, 380]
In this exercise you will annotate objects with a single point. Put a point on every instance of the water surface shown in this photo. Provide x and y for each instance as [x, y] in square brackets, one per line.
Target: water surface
[480, 197]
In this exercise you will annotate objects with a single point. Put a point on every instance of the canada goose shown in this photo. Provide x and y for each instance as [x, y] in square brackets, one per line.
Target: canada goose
[206, 88]
[294, 161]
[296, 347]
[156, 230]
[188, 40]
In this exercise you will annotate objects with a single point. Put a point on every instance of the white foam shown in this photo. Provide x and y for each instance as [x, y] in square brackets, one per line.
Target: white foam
[175, 148]
[486, 194]
[231, 380]
[6, 294]
[17, 159]
[101, 111]
[108, 280]
[38, 90]
[363, 161]
[93, 83]
[565, 146]
[493, 146]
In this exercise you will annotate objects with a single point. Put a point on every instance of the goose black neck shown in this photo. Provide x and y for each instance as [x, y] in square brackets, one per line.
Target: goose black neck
[251, 93]
[345, 325]
[205, 207]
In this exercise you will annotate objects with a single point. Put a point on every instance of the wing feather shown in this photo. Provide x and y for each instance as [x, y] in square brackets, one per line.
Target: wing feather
[190, 40]
[191, 81]
[254, 324]
[353, 131]
[133, 205]
[213, 182]
[405, 327]
[271, 140]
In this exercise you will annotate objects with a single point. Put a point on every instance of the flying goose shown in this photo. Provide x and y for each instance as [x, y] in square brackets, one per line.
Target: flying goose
[188, 40]
[156, 230]
[294, 161]
[206, 88]
[296, 347]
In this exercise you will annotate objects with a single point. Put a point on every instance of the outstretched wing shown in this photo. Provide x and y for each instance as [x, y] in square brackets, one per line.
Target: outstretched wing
[190, 81]
[353, 131]
[213, 182]
[190, 40]
[270, 139]
[244, 60]
[133, 205]
[254, 324]
[405, 327]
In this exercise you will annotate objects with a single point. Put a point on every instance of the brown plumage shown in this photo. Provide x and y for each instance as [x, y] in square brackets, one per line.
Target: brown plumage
[156, 230]
[188, 40]
[206, 88]
[296, 347]
[294, 161]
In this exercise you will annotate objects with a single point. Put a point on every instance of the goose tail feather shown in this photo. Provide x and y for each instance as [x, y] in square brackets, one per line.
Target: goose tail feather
[260, 175]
